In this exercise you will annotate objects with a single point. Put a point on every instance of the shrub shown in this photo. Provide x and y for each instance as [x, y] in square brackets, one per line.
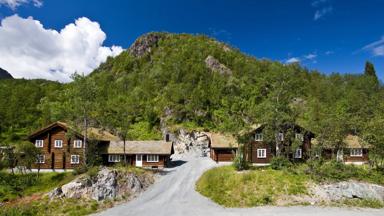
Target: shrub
[279, 163]
[80, 170]
[239, 162]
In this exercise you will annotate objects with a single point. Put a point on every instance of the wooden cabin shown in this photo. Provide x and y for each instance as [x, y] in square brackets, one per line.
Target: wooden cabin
[222, 147]
[149, 154]
[62, 147]
[258, 152]
[355, 151]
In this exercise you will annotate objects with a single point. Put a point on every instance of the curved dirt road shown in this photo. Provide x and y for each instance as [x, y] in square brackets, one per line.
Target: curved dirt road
[174, 194]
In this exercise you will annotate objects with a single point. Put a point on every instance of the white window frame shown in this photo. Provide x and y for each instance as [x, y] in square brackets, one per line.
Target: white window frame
[114, 158]
[40, 159]
[356, 152]
[280, 136]
[39, 143]
[299, 136]
[152, 158]
[299, 153]
[77, 143]
[75, 161]
[258, 137]
[56, 143]
[262, 153]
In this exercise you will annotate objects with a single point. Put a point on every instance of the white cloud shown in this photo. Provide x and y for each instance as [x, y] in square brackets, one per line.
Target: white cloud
[292, 60]
[377, 47]
[329, 52]
[322, 12]
[13, 4]
[28, 50]
[310, 56]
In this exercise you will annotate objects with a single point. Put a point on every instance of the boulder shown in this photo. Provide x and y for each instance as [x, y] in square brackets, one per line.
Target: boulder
[349, 190]
[105, 184]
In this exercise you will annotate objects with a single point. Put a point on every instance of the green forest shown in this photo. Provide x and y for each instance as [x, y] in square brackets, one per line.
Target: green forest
[163, 79]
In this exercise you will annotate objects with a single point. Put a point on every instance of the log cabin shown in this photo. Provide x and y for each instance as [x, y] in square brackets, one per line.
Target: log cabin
[62, 147]
[223, 147]
[147, 154]
[355, 150]
[259, 152]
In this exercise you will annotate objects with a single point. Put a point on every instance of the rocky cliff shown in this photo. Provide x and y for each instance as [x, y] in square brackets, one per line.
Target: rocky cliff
[108, 183]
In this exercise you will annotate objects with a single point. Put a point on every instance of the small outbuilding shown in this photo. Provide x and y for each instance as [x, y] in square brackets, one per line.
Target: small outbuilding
[223, 147]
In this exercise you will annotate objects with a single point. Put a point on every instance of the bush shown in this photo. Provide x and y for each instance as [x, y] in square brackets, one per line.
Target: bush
[279, 163]
[80, 170]
[240, 163]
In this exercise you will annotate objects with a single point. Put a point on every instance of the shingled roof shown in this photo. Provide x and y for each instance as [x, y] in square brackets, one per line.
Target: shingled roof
[139, 147]
[219, 140]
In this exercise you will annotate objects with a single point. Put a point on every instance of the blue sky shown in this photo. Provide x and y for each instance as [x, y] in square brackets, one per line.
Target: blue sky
[327, 35]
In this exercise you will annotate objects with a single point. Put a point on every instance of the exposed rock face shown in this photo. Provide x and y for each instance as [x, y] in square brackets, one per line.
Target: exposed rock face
[144, 44]
[348, 190]
[216, 66]
[107, 184]
[191, 142]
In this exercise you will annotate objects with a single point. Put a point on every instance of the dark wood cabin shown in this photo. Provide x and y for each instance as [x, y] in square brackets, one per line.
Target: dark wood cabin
[63, 148]
[222, 147]
[257, 151]
[355, 151]
[147, 154]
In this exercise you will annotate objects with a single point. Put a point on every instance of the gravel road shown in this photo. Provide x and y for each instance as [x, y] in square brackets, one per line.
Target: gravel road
[174, 194]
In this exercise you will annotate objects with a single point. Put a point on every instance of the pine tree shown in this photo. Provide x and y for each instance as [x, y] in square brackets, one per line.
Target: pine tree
[369, 69]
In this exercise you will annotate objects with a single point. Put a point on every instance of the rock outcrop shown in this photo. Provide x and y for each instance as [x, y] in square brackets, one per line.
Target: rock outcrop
[348, 190]
[194, 142]
[215, 65]
[107, 184]
[144, 44]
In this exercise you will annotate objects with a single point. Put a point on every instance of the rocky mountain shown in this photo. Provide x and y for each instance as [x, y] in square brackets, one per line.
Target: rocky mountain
[4, 74]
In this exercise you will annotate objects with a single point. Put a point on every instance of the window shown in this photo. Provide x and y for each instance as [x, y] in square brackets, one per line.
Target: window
[75, 159]
[113, 158]
[298, 153]
[77, 143]
[39, 143]
[299, 136]
[280, 137]
[58, 143]
[40, 159]
[357, 152]
[259, 137]
[261, 153]
[152, 158]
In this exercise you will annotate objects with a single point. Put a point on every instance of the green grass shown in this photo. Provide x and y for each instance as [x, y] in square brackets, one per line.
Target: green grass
[332, 171]
[18, 185]
[75, 207]
[230, 188]
[265, 186]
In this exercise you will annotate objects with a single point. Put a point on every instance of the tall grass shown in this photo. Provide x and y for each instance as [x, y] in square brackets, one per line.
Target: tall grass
[250, 188]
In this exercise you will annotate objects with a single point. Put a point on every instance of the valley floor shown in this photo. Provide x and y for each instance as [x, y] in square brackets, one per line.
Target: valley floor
[174, 194]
